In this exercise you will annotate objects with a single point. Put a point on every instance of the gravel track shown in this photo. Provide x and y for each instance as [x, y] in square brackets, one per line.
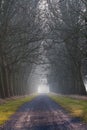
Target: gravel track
[43, 114]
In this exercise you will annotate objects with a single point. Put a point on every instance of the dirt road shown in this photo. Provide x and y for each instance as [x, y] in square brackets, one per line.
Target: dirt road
[43, 114]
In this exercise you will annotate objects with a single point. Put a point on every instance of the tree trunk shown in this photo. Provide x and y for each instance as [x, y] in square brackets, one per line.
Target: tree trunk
[2, 85]
[11, 84]
[80, 87]
[77, 81]
[7, 82]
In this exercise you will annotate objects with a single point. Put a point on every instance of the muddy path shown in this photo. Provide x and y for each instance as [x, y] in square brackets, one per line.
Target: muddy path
[43, 114]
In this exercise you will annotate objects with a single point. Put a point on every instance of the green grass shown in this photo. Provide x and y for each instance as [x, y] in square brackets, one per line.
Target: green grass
[10, 107]
[75, 107]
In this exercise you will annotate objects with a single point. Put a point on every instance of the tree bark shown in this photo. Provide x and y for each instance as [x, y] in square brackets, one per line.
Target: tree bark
[2, 85]
[7, 82]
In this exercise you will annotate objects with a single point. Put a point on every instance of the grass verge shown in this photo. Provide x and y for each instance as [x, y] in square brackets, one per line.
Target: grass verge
[10, 107]
[75, 107]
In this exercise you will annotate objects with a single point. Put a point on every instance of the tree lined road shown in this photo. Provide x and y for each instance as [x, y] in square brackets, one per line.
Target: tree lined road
[42, 114]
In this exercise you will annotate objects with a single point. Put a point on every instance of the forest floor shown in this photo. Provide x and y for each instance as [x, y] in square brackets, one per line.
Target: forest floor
[42, 113]
[3, 101]
[77, 97]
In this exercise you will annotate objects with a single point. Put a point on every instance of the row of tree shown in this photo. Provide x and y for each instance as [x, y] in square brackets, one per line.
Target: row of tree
[61, 25]
[68, 32]
[19, 44]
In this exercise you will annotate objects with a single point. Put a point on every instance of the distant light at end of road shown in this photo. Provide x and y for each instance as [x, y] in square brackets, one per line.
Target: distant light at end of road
[43, 89]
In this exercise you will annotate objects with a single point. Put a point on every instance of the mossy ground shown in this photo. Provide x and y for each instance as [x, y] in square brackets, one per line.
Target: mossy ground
[75, 107]
[10, 107]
